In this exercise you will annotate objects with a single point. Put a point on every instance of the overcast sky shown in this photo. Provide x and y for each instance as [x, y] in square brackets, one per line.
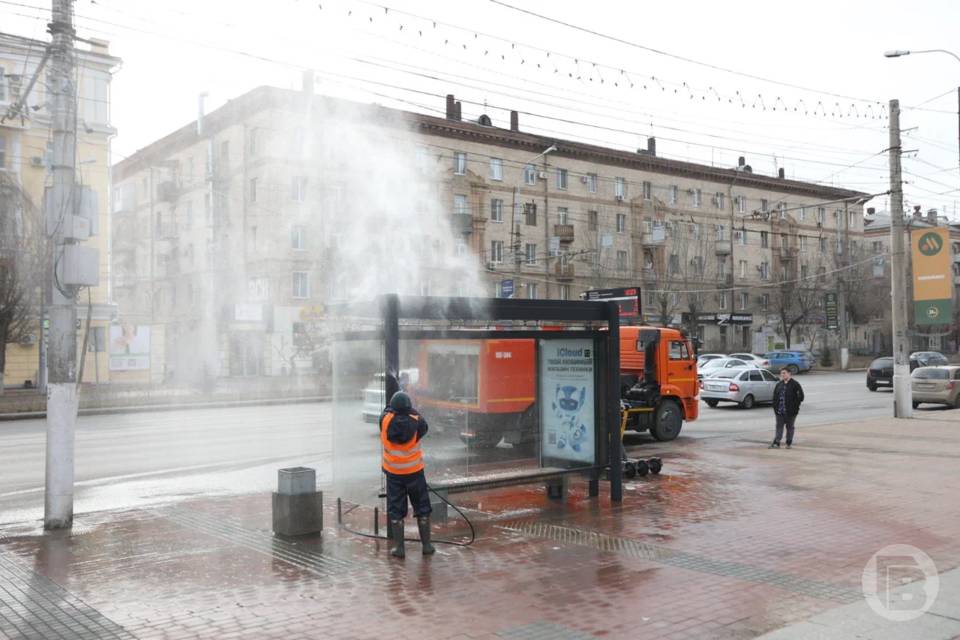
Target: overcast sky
[782, 109]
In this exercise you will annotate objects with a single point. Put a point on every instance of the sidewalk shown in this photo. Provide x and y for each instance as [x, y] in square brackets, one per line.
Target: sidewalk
[732, 541]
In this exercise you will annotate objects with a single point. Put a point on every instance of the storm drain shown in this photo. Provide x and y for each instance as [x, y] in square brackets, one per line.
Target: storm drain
[34, 607]
[264, 542]
[543, 631]
[683, 560]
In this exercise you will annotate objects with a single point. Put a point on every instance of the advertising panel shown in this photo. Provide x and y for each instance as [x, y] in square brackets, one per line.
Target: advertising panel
[129, 347]
[567, 389]
[932, 281]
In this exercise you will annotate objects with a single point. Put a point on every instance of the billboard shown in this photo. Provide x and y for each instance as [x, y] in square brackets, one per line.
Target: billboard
[932, 281]
[628, 299]
[129, 347]
[567, 389]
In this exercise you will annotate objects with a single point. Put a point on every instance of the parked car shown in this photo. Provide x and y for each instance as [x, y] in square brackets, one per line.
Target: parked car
[880, 373]
[927, 359]
[760, 361]
[793, 361]
[704, 357]
[712, 366]
[374, 401]
[745, 386]
[936, 385]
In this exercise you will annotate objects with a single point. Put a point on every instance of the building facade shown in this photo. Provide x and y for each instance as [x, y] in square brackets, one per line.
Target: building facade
[231, 236]
[25, 150]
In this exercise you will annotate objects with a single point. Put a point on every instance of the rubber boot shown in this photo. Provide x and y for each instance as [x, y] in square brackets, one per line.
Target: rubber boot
[423, 523]
[396, 528]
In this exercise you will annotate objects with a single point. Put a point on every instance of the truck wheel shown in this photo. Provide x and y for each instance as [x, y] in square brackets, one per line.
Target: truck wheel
[712, 403]
[747, 402]
[916, 404]
[872, 387]
[484, 440]
[655, 465]
[642, 468]
[793, 369]
[668, 422]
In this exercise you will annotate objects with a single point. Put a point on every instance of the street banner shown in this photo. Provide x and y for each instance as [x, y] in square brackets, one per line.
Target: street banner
[932, 281]
[567, 388]
[831, 310]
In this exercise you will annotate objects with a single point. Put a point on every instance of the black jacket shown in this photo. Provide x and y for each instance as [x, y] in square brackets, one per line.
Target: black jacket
[404, 425]
[793, 393]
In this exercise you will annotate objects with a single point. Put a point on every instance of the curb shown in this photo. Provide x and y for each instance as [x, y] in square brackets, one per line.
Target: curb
[222, 404]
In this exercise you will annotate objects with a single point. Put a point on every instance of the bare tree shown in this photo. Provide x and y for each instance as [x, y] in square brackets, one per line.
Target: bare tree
[21, 242]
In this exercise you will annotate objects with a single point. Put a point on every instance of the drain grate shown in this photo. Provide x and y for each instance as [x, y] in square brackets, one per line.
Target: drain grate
[683, 560]
[543, 631]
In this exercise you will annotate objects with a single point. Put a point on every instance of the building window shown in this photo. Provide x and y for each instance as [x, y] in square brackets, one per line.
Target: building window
[720, 231]
[723, 301]
[459, 163]
[530, 213]
[561, 178]
[803, 244]
[301, 285]
[621, 260]
[720, 200]
[254, 144]
[740, 235]
[298, 189]
[496, 210]
[496, 251]
[877, 247]
[496, 169]
[621, 222]
[823, 244]
[839, 245]
[782, 210]
[804, 271]
[694, 230]
[674, 194]
[530, 174]
[564, 292]
[225, 154]
[764, 205]
[253, 189]
[802, 213]
[298, 238]
[460, 204]
[765, 302]
[647, 190]
[592, 221]
[741, 204]
[563, 215]
[744, 298]
[743, 268]
[721, 267]
[785, 240]
[531, 290]
[673, 264]
[764, 239]
[697, 198]
[619, 188]
[592, 182]
[821, 215]
[531, 253]
[852, 220]
[764, 270]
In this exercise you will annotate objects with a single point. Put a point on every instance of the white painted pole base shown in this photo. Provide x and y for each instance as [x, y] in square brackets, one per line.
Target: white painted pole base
[62, 404]
[902, 392]
[844, 358]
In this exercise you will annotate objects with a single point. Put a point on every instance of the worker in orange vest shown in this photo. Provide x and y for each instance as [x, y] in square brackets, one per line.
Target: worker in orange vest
[401, 429]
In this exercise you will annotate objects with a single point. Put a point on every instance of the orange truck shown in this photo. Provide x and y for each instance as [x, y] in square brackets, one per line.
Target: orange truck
[487, 388]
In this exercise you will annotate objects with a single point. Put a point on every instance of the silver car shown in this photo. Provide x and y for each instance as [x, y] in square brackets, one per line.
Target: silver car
[936, 385]
[745, 386]
[711, 367]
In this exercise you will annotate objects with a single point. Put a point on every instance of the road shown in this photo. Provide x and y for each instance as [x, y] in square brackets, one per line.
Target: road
[130, 459]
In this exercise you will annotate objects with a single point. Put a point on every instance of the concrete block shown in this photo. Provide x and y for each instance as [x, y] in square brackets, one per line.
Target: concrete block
[440, 513]
[557, 488]
[297, 515]
[295, 481]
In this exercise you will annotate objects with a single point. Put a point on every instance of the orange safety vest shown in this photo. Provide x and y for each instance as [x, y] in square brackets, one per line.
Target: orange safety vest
[401, 459]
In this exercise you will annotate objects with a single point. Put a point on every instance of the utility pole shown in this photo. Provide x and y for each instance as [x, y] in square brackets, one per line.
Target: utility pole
[62, 351]
[842, 292]
[902, 393]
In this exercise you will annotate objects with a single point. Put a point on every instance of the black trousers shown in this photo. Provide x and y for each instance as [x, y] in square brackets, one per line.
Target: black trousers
[412, 487]
[788, 421]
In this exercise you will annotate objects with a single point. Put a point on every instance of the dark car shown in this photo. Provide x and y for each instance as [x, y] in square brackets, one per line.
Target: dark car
[927, 359]
[880, 373]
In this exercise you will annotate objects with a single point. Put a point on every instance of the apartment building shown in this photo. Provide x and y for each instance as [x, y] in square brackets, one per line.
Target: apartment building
[25, 157]
[229, 234]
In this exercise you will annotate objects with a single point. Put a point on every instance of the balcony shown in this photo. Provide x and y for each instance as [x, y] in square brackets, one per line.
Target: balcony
[656, 237]
[563, 271]
[168, 191]
[463, 223]
[728, 279]
[564, 232]
[723, 247]
[788, 253]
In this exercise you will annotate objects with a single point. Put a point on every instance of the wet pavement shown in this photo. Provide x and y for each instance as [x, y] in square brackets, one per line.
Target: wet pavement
[731, 541]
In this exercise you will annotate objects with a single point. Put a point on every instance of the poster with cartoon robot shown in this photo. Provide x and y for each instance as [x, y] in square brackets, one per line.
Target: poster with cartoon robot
[567, 399]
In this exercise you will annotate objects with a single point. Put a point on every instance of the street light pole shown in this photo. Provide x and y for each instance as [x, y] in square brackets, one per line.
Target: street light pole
[902, 393]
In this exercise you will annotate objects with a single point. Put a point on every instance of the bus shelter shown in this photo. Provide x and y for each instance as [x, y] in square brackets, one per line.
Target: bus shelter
[508, 387]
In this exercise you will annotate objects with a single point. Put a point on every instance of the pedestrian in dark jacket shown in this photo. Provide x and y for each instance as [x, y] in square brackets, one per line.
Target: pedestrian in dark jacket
[787, 398]
[401, 429]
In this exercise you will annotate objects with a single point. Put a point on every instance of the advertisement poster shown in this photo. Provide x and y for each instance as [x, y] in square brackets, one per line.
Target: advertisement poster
[567, 395]
[932, 276]
[129, 347]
